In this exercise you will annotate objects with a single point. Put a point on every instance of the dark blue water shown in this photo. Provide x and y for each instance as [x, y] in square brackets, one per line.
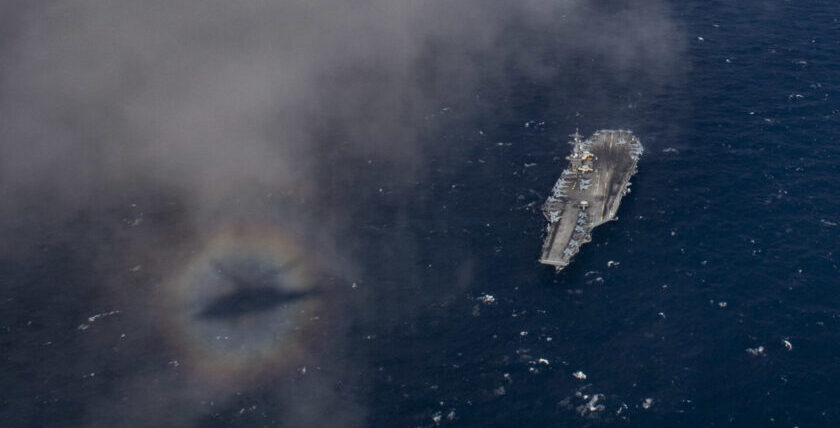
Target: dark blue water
[728, 242]
[720, 309]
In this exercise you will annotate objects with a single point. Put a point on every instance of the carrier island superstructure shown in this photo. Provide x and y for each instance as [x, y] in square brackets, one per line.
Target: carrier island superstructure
[588, 192]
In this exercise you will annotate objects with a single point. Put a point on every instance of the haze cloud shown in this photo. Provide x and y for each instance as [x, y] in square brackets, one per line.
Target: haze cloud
[211, 96]
[212, 100]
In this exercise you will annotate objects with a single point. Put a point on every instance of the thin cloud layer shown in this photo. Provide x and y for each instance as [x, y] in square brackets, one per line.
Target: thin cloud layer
[212, 96]
[215, 105]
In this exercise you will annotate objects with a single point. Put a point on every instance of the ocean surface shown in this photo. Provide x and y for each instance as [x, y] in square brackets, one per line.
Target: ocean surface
[712, 301]
[728, 243]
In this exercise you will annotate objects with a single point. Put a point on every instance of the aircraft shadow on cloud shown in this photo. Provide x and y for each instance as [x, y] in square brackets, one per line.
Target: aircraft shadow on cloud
[254, 293]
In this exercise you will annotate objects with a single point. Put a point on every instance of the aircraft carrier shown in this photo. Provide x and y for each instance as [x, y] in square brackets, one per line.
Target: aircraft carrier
[588, 192]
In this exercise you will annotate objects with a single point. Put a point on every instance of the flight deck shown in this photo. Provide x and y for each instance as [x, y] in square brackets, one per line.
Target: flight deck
[589, 191]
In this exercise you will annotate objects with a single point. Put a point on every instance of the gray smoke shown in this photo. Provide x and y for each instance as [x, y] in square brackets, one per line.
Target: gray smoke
[216, 104]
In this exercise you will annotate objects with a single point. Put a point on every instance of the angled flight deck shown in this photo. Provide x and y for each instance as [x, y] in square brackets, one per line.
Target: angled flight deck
[588, 192]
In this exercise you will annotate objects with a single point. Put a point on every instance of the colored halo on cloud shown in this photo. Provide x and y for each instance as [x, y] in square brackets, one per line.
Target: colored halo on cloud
[264, 299]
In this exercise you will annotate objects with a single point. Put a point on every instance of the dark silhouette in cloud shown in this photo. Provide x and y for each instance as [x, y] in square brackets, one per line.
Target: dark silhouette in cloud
[246, 300]
[253, 293]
